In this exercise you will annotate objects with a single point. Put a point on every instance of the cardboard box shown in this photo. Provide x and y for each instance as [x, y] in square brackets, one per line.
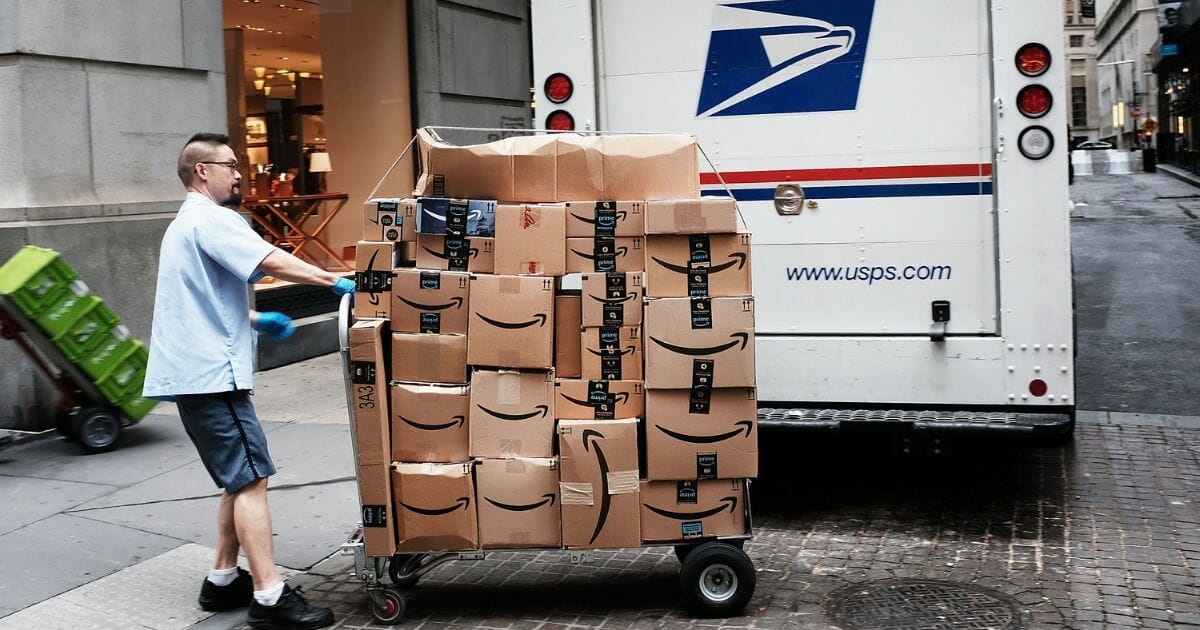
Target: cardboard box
[620, 254]
[707, 436]
[389, 220]
[368, 383]
[428, 358]
[518, 503]
[475, 254]
[577, 399]
[373, 265]
[589, 219]
[435, 507]
[599, 483]
[699, 342]
[456, 217]
[406, 254]
[568, 322]
[706, 215]
[512, 413]
[429, 422]
[698, 265]
[530, 239]
[612, 353]
[612, 299]
[425, 301]
[564, 167]
[512, 322]
[679, 511]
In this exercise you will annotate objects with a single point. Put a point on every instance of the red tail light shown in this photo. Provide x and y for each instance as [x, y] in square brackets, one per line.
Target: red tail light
[560, 120]
[558, 87]
[1034, 101]
[1033, 60]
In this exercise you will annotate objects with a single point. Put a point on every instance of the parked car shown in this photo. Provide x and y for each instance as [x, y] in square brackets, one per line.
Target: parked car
[1094, 145]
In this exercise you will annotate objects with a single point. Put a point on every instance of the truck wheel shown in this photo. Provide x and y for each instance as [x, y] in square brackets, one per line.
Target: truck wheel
[97, 429]
[717, 579]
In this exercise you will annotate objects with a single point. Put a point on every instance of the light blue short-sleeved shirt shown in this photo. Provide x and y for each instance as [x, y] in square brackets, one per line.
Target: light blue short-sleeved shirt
[201, 340]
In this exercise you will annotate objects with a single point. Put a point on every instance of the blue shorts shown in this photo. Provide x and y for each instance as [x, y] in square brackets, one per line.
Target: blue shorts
[228, 437]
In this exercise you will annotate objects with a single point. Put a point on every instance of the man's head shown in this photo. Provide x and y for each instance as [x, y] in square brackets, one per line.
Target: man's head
[207, 166]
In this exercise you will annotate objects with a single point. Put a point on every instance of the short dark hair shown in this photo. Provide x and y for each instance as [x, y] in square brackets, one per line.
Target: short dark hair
[198, 148]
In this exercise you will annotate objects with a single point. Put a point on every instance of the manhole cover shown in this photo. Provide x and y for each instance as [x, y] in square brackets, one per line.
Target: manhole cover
[922, 605]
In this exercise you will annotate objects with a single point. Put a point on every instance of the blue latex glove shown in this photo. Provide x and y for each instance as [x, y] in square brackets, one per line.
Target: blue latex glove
[275, 324]
[343, 286]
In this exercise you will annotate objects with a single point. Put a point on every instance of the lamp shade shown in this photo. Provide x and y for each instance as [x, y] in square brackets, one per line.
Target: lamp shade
[318, 162]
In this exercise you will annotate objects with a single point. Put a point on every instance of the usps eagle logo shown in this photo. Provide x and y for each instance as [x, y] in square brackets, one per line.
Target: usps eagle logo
[785, 56]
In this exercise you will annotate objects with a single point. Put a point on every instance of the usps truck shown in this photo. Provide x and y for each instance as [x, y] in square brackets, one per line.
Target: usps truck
[902, 165]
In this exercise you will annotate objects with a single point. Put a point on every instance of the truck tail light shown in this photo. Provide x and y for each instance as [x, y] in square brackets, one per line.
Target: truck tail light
[1035, 142]
[1033, 60]
[560, 120]
[558, 88]
[1034, 101]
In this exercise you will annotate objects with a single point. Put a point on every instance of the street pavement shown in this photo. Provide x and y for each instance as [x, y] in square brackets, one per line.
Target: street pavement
[1104, 532]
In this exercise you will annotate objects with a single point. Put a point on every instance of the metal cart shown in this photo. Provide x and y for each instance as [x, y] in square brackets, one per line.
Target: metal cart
[717, 578]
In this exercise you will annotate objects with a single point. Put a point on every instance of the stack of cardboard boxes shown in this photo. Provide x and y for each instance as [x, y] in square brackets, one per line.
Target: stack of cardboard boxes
[495, 409]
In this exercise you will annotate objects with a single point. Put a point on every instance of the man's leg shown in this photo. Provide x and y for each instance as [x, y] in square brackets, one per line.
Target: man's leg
[252, 521]
[227, 538]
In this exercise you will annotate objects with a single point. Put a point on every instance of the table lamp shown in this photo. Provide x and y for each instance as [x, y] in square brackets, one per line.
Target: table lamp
[318, 162]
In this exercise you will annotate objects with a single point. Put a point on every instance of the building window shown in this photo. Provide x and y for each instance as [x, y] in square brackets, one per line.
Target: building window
[1078, 68]
[1070, 18]
[1077, 41]
[1079, 107]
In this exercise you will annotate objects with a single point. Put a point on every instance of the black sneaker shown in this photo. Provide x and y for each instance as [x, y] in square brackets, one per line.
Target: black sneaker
[236, 594]
[291, 612]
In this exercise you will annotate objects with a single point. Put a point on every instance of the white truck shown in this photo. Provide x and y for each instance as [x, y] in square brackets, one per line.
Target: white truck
[902, 165]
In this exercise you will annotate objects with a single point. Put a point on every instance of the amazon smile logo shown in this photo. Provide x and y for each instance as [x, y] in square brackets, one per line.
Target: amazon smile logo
[621, 214]
[620, 300]
[461, 504]
[620, 252]
[746, 425]
[738, 338]
[727, 503]
[540, 410]
[539, 319]
[459, 420]
[547, 499]
[472, 253]
[605, 498]
[454, 303]
[626, 352]
[738, 258]
[619, 398]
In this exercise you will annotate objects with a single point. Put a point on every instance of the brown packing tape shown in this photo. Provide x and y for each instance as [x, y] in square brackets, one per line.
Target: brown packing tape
[509, 284]
[622, 482]
[576, 493]
[514, 466]
[508, 387]
[687, 218]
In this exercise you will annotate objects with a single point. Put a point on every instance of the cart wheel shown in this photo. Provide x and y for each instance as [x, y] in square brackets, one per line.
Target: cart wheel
[718, 580]
[389, 607]
[97, 429]
[401, 567]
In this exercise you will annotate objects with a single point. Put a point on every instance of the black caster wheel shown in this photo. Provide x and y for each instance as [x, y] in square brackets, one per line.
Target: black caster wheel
[96, 429]
[401, 567]
[387, 606]
[717, 579]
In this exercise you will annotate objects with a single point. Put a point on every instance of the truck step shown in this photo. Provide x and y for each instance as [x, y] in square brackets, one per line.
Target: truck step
[812, 419]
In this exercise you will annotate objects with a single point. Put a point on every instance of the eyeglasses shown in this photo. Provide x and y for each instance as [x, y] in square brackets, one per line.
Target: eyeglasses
[233, 165]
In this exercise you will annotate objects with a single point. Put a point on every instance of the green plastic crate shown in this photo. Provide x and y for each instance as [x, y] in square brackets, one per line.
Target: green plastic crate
[34, 277]
[137, 407]
[107, 356]
[89, 330]
[125, 379]
[66, 307]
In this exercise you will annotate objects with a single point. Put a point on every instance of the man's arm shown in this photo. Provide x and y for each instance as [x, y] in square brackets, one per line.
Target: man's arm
[285, 266]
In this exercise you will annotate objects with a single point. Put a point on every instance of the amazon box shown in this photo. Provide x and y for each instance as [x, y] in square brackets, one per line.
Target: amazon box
[512, 322]
[530, 239]
[698, 265]
[475, 254]
[435, 507]
[612, 299]
[518, 503]
[589, 219]
[512, 413]
[679, 511]
[373, 265]
[430, 301]
[577, 399]
[612, 353]
[706, 215]
[599, 483]
[429, 422]
[699, 342]
[368, 383]
[392, 220]
[520, 167]
[568, 320]
[707, 436]
[456, 217]
[623, 253]
[429, 358]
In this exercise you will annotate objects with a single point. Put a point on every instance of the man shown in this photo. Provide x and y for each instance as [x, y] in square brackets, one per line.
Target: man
[201, 357]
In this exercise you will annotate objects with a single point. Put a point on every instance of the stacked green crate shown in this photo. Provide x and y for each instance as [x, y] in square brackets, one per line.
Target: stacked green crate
[48, 291]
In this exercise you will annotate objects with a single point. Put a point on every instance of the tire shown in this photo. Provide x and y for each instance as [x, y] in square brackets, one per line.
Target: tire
[401, 567]
[682, 551]
[391, 607]
[717, 580]
[97, 429]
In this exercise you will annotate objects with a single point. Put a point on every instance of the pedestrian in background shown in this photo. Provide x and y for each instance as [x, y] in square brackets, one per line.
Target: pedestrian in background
[202, 348]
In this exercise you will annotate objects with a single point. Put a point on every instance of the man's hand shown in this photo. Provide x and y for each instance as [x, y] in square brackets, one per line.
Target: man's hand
[275, 324]
[343, 286]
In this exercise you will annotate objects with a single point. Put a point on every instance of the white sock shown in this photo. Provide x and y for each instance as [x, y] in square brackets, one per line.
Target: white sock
[269, 596]
[222, 577]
